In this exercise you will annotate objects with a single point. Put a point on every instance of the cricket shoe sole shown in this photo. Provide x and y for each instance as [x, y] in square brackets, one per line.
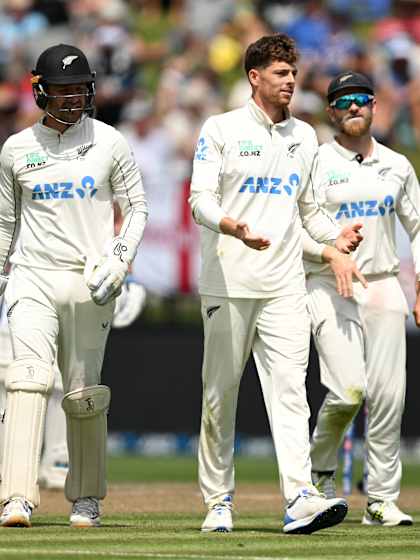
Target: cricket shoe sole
[329, 517]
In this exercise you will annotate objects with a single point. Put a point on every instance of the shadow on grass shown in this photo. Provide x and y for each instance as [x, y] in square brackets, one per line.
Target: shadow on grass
[52, 524]
[256, 529]
[44, 524]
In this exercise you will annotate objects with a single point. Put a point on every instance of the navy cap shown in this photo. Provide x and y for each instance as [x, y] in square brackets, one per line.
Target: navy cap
[63, 64]
[349, 81]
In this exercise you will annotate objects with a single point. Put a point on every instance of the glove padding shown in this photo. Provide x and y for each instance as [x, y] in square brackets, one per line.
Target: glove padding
[106, 279]
[129, 304]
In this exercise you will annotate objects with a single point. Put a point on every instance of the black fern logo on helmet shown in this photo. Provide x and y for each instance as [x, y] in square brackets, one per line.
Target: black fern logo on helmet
[68, 60]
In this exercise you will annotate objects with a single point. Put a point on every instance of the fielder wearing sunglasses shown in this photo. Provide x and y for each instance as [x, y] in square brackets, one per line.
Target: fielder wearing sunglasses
[353, 173]
[346, 101]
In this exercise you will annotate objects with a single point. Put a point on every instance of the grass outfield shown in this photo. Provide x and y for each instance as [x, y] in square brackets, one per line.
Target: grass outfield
[146, 516]
[134, 468]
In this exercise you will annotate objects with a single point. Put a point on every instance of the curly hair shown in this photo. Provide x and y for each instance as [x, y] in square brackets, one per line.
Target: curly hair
[268, 49]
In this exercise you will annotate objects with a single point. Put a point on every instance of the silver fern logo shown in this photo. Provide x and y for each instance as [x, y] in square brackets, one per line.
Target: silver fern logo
[382, 173]
[68, 60]
[291, 149]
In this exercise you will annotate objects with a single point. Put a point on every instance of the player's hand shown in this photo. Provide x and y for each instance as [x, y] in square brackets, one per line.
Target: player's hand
[251, 240]
[416, 310]
[349, 238]
[240, 230]
[106, 279]
[344, 269]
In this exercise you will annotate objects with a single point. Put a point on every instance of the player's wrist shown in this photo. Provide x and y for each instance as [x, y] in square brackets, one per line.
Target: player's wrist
[229, 226]
[329, 254]
[122, 250]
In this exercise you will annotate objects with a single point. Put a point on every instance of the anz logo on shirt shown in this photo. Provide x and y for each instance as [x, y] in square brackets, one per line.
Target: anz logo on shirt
[366, 208]
[201, 149]
[270, 185]
[65, 190]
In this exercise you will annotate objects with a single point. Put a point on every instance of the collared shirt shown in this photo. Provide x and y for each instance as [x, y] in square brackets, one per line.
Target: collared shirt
[253, 170]
[372, 192]
[59, 189]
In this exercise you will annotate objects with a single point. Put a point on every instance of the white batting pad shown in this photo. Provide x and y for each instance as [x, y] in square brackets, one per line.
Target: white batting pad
[28, 384]
[86, 411]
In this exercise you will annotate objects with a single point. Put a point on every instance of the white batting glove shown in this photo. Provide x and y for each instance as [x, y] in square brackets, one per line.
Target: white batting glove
[130, 303]
[106, 278]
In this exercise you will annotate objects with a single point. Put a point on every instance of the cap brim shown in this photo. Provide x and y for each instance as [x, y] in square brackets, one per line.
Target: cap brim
[63, 80]
[349, 89]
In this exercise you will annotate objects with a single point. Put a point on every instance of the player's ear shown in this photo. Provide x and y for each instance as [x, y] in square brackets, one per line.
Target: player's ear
[330, 112]
[373, 106]
[254, 77]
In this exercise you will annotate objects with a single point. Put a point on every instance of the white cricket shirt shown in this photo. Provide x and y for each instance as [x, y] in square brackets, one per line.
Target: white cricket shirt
[373, 193]
[59, 189]
[257, 171]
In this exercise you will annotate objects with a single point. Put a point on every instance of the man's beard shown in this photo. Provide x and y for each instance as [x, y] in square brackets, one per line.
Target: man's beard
[356, 127]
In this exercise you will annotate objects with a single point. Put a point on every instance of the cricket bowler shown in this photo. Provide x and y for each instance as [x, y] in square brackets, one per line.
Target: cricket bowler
[250, 193]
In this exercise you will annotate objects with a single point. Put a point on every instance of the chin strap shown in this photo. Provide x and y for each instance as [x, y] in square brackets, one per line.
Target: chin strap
[66, 122]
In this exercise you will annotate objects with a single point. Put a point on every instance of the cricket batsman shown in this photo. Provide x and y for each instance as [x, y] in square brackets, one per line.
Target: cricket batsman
[58, 180]
[361, 339]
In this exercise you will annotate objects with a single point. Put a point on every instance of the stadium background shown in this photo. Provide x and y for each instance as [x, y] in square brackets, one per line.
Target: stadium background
[162, 67]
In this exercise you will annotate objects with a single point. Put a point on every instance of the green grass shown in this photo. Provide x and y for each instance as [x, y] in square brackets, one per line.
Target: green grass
[134, 468]
[176, 536]
[183, 469]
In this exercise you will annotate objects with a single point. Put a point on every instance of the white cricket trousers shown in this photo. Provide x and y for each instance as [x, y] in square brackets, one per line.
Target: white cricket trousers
[51, 315]
[277, 331]
[362, 353]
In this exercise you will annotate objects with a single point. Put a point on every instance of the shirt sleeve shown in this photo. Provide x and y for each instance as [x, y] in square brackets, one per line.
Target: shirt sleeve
[205, 191]
[10, 203]
[128, 189]
[317, 222]
[312, 250]
[408, 211]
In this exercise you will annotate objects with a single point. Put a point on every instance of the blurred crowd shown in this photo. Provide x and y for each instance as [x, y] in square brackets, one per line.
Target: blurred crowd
[164, 66]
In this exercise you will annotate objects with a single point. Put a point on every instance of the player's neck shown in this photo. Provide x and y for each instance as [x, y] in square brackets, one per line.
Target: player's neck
[360, 144]
[275, 112]
[55, 125]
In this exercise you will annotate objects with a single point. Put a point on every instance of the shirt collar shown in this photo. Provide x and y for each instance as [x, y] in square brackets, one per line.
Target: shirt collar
[262, 118]
[350, 155]
[73, 129]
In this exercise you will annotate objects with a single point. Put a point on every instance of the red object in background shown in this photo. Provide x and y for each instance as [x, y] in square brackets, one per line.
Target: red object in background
[186, 222]
[388, 28]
